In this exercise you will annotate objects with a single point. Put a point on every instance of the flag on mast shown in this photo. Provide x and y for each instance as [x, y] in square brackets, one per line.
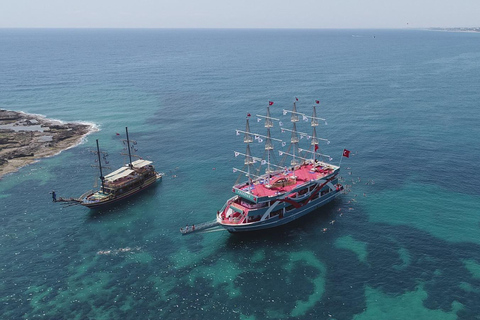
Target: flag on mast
[270, 103]
[346, 153]
[317, 101]
[316, 147]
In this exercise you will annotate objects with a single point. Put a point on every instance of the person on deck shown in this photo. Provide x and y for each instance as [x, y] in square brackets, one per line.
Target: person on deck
[54, 196]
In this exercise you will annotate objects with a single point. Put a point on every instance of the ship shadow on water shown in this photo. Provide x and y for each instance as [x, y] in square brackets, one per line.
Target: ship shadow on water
[123, 205]
[309, 225]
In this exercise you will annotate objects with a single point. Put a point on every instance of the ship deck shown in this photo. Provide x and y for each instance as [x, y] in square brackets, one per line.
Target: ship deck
[304, 173]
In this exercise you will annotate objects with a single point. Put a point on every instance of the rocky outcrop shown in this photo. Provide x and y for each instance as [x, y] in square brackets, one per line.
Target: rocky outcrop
[25, 138]
[6, 116]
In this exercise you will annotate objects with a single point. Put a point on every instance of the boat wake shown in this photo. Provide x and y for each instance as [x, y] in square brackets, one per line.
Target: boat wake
[118, 251]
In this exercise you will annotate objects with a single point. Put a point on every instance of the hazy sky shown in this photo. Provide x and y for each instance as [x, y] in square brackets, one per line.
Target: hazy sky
[239, 14]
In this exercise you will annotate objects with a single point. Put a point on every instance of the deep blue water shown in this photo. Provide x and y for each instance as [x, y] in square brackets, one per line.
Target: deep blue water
[405, 102]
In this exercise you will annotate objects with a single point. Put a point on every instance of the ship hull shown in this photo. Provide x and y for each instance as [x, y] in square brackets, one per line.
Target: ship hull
[286, 193]
[104, 203]
[287, 218]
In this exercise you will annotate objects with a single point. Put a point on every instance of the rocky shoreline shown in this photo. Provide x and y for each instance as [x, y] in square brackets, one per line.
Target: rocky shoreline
[477, 29]
[25, 138]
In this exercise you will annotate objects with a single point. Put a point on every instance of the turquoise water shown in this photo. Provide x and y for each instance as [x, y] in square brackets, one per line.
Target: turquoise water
[405, 246]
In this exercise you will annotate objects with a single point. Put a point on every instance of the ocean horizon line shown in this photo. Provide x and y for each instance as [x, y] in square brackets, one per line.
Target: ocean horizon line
[206, 28]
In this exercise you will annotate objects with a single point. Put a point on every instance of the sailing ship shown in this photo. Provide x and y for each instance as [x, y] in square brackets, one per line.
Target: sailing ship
[283, 193]
[122, 183]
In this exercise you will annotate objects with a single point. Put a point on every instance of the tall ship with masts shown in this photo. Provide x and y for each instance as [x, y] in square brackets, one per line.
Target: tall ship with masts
[122, 183]
[283, 193]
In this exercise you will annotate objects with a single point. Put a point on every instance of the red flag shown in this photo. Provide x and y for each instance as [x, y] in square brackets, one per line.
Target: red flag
[346, 153]
[317, 101]
[118, 134]
[270, 103]
[316, 147]
[296, 98]
[249, 115]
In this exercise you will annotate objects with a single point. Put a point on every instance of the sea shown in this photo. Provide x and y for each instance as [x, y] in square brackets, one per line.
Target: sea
[403, 243]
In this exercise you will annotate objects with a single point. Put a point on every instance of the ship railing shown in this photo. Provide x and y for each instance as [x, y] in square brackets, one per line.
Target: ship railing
[84, 195]
[243, 218]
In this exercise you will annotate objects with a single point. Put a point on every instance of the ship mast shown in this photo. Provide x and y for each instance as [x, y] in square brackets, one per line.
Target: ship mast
[102, 178]
[248, 138]
[248, 157]
[314, 141]
[294, 138]
[268, 142]
[128, 147]
[295, 133]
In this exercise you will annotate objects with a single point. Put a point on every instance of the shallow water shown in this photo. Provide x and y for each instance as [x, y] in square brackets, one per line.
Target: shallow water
[403, 244]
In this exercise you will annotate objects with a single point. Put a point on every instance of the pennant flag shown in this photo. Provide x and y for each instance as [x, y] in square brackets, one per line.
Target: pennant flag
[283, 131]
[346, 153]
[270, 103]
[280, 123]
[317, 101]
[330, 158]
[284, 143]
[300, 149]
[328, 141]
[305, 118]
[257, 137]
[326, 122]
[236, 154]
[316, 147]
[280, 153]
[296, 98]
[118, 134]
[260, 140]
[309, 137]
[258, 119]
[285, 112]
[234, 170]
[264, 161]
[238, 133]
[249, 115]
